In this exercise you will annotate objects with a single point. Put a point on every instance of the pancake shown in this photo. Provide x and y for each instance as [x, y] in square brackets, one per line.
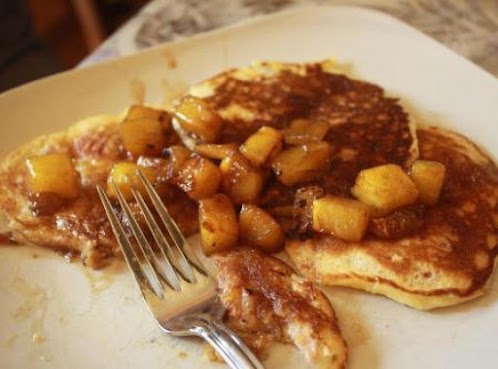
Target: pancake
[78, 227]
[447, 261]
[267, 302]
[366, 128]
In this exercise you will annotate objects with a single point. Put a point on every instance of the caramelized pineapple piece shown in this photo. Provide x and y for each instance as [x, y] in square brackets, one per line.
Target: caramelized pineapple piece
[199, 178]
[428, 177]
[303, 131]
[242, 182]
[196, 117]
[344, 218]
[178, 155]
[385, 188]
[137, 112]
[261, 147]
[218, 224]
[125, 176]
[302, 163]
[259, 229]
[53, 173]
[214, 151]
[141, 112]
[143, 136]
[157, 168]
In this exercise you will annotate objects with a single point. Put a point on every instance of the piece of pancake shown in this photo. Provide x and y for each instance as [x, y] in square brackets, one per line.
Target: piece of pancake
[77, 227]
[267, 302]
[448, 261]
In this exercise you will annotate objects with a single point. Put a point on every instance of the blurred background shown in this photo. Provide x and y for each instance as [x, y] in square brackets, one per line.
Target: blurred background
[42, 37]
[73, 28]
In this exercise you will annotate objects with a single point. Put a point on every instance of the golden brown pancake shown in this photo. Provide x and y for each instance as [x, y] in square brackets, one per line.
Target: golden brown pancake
[447, 261]
[79, 226]
[267, 302]
[367, 128]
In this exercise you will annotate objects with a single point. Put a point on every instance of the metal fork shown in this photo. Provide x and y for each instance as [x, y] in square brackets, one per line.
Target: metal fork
[176, 287]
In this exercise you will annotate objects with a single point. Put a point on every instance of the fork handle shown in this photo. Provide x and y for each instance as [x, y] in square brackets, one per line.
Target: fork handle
[229, 346]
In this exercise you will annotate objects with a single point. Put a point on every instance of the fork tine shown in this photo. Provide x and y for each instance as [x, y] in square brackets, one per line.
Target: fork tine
[176, 235]
[131, 257]
[148, 253]
[160, 239]
[128, 250]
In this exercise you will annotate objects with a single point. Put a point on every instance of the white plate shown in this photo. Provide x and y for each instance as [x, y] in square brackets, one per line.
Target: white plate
[87, 319]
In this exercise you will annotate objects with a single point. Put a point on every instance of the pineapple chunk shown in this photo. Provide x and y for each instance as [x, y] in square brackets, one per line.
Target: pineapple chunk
[344, 218]
[428, 177]
[262, 146]
[158, 168]
[302, 163]
[214, 151]
[141, 112]
[218, 224]
[125, 176]
[144, 112]
[199, 178]
[303, 131]
[143, 136]
[196, 117]
[178, 155]
[384, 188]
[241, 181]
[53, 173]
[258, 228]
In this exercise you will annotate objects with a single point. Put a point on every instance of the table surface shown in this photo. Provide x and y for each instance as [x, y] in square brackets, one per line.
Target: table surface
[469, 27]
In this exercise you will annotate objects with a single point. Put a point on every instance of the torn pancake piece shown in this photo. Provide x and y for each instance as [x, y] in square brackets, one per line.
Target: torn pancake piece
[267, 302]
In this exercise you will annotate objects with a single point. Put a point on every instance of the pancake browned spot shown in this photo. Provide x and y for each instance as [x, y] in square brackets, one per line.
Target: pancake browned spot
[447, 261]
